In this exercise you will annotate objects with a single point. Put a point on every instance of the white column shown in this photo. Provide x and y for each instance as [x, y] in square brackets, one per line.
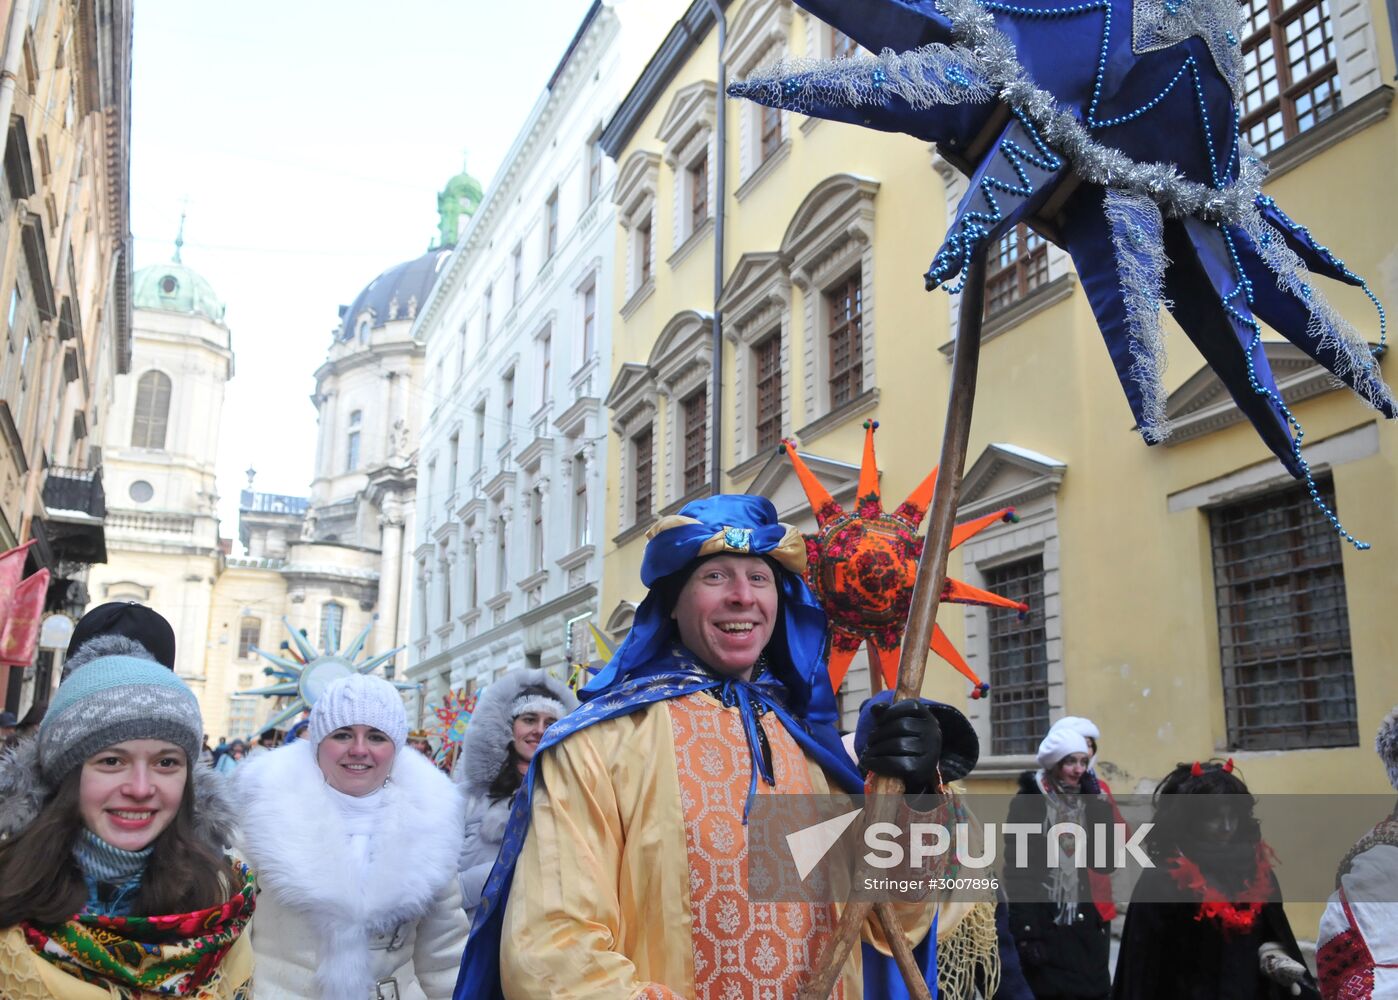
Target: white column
[390, 573]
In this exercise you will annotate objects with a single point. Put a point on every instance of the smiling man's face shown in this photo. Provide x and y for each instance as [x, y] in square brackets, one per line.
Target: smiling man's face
[726, 611]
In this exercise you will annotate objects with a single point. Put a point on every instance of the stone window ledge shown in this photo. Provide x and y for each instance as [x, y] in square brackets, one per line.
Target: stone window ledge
[862, 403]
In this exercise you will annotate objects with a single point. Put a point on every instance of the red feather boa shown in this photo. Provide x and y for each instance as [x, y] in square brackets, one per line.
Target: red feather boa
[1234, 916]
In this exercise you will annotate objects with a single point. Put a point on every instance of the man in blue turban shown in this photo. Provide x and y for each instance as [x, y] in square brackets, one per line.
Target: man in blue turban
[624, 866]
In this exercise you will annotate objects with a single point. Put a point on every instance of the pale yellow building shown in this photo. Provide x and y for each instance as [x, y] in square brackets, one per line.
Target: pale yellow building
[1134, 559]
[65, 272]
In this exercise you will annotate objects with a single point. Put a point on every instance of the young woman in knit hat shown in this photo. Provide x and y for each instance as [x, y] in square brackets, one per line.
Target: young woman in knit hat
[511, 717]
[355, 839]
[1063, 942]
[113, 880]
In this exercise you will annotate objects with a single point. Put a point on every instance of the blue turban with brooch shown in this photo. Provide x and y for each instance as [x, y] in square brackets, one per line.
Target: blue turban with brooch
[731, 524]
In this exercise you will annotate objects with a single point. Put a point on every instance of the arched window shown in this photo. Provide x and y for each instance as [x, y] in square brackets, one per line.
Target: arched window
[152, 410]
[332, 617]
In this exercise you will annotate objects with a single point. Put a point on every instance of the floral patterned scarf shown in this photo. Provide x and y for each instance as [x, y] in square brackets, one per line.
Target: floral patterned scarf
[168, 955]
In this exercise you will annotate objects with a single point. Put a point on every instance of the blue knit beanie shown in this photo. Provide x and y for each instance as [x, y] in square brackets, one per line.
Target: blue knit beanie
[113, 699]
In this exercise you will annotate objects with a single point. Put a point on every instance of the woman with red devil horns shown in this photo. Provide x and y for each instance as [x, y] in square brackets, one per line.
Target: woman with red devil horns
[1206, 923]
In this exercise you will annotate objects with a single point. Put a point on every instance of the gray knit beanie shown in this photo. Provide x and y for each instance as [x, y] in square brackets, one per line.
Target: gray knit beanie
[113, 699]
[359, 700]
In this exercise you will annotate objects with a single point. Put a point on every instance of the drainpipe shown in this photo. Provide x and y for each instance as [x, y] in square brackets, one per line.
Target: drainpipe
[9, 69]
[720, 202]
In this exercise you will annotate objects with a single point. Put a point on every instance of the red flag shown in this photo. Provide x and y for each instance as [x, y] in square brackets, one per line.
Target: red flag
[19, 640]
[11, 569]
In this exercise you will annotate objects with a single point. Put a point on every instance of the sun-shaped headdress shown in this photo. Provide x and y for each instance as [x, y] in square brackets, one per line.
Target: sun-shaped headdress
[861, 564]
[305, 671]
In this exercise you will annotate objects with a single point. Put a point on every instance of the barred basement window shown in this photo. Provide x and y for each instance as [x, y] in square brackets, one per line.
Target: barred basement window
[1283, 623]
[643, 448]
[846, 303]
[1019, 709]
[768, 358]
[1018, 266]
[1290, 78]
[696, 433]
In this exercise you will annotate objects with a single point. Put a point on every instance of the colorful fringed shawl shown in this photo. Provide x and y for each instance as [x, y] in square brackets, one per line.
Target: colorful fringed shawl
[167, 955]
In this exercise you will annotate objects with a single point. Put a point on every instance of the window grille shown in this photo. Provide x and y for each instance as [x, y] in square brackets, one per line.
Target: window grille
[643, 447]
[249, 635]
[846, 303]
[696, 432]
[767, 356]
[698, 194]
[771, 131]
[1019, 709]
[1283, 623]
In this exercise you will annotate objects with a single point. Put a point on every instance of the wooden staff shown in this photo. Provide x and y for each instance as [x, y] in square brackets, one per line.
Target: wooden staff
[922, 615]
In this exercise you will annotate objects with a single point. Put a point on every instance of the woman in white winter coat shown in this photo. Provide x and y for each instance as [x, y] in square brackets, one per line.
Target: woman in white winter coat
[354, 840]
[510, 718]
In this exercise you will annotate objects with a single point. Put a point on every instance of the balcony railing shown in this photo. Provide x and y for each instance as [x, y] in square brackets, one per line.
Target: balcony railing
[271, 503]
[68, 488]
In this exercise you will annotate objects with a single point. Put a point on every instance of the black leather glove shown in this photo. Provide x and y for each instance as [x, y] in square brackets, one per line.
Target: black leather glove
[905, 743]
[1089, 784]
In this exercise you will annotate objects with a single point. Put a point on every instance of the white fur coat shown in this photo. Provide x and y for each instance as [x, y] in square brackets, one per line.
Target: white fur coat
[320, 934]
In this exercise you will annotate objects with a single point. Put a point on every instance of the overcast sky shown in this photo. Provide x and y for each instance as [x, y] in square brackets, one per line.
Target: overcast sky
[308, 140]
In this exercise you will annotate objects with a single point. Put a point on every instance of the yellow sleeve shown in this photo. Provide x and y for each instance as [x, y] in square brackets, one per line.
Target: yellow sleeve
[563, 919]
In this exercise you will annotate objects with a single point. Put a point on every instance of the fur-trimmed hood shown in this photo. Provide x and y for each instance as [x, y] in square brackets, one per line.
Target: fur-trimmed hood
[294, 835]
[23, 792]
[487, 740]
[1386, 743]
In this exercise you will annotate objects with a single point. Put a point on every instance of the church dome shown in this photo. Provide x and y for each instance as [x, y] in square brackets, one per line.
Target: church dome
[173, 287]
[397, 294]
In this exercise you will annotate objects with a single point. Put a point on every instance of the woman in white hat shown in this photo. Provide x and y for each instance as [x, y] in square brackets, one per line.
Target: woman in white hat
[355, 842]
[511, 717]
[1063, 942]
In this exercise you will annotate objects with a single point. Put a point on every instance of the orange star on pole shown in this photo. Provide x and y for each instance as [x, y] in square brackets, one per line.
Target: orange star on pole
[862, 564]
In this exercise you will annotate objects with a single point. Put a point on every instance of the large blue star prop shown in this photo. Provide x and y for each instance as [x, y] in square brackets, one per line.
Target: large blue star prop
[1112, 127]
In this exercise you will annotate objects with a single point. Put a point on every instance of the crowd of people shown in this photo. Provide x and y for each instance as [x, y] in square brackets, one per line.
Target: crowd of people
[600, 850]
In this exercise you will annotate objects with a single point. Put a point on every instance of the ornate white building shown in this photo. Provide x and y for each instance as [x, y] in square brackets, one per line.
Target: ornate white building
[159, 448]
[507, 554]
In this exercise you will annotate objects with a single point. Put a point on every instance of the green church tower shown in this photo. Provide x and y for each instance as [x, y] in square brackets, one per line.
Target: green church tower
[456, 203]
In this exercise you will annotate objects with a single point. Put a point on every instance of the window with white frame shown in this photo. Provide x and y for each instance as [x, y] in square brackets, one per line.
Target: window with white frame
[502, 553]
[582, 524]
[332, 621]
[249, 635]
[507, 411]
[588, 300]
[454, 446]
[551, 225]
[756, 306]
[478, 458]
[681, 361]
[516, 274]
[594, 167]
[488, 311]
[829, 244]
[536, 529]
[152, 409]
[545, 347]
[356, 418]
[634, 404]
[1020, 656]
[687, 131]
[635, 197]
[758, 36]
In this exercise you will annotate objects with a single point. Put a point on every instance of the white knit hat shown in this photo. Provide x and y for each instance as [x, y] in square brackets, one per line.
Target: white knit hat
[1059, 743]
[359, 700]
[1078, 724]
